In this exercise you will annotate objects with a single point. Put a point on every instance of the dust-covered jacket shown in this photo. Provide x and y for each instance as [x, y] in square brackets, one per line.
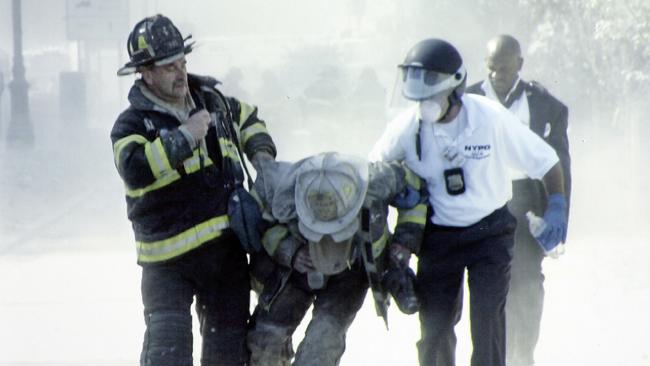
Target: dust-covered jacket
[177, 196]
[275, 187]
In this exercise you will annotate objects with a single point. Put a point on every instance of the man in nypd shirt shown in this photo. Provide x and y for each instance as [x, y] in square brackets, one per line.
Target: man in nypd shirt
[548, 118]
[464, 146]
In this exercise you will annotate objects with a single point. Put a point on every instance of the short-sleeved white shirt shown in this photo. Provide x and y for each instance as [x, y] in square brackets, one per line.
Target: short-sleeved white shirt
[493, 141]
[519, 107]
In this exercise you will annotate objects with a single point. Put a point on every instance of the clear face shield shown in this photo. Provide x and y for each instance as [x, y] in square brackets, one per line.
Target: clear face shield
[428, 89]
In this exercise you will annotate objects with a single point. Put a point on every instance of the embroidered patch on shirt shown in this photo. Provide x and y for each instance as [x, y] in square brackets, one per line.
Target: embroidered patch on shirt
[477, 151]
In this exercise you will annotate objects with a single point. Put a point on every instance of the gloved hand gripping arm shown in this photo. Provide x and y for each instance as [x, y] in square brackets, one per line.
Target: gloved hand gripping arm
[399, 279]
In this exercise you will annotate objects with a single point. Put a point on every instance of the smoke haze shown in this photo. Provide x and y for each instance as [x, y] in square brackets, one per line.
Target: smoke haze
[321, 73]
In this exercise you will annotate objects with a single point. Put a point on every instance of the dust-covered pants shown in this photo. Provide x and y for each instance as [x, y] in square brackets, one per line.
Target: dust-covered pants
[526, 295]
[335, 307]
[217, 274]
[485, 249]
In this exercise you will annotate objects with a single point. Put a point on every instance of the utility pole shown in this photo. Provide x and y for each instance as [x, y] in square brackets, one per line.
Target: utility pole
[20, 130]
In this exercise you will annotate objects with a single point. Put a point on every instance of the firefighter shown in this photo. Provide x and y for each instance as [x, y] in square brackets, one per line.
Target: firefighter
[327, 245]
[176, 148]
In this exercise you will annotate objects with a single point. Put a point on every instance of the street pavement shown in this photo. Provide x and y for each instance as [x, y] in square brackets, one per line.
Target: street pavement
[69, 284]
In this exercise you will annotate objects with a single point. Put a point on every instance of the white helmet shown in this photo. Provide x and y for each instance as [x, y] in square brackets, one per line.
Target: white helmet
[329, 192]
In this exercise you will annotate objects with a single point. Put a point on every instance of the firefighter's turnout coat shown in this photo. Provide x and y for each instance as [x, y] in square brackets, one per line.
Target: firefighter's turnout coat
[177, 196]
[275, 183]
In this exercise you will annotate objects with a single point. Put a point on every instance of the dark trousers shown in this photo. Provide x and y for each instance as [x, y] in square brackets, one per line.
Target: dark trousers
[526, 296]
[335, 306]
[216, 273]
[485, 250]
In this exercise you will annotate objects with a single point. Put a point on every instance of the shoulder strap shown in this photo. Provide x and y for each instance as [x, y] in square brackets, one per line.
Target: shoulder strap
[231, 134]
[418, 144]
[373, 269]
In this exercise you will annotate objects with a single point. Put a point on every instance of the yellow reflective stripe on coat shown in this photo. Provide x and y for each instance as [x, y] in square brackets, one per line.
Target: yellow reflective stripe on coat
[245, 111]
[191, 165]
[411, 178]
[159, 183]
[157, 158]
[183, 242]
[415, 215]
[379, 245]
[228, 149]
[251, 131]
[123, 142]
[272, 237]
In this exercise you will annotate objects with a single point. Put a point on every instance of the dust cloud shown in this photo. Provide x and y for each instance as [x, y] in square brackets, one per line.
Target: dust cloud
[321, 73]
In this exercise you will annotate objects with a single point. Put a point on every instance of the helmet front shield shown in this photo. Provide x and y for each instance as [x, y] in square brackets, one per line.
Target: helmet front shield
[418, 83]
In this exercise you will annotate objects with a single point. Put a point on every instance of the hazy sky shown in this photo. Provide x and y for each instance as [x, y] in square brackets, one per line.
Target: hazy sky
[65, 195]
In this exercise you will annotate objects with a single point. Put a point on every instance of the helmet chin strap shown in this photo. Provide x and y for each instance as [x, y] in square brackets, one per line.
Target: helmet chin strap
[446, 114]
[454, 100]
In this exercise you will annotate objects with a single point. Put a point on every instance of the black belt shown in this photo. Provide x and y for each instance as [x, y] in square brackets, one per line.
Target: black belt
[496, 213]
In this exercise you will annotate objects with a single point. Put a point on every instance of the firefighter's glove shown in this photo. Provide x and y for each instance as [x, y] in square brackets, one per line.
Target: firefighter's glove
[302, 261]
[408, 198]
[400, 282]
[555, 217]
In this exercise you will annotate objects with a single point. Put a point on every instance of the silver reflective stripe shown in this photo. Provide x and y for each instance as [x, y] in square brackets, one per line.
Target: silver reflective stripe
[157, 158]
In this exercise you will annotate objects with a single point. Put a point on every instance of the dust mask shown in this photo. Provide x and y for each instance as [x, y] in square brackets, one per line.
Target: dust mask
[430, 110]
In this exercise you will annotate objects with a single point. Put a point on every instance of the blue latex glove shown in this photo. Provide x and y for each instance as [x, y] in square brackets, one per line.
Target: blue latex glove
[406, 199]
[555, 217]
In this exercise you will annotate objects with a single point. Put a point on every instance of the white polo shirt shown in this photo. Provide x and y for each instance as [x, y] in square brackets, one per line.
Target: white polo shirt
[519, 107]
[492, 141]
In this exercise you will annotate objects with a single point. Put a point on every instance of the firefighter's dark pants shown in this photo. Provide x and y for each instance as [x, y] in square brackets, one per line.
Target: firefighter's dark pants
[216, 273]
[335, 306]
[485, 250]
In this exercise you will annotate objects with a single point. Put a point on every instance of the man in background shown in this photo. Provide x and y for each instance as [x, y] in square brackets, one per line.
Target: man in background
[538, 110]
